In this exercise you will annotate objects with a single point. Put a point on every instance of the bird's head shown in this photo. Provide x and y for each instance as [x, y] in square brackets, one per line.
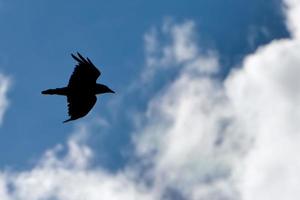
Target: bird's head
[100, 89]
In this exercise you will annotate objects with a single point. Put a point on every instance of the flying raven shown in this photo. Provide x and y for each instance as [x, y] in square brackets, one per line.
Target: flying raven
[82, 88]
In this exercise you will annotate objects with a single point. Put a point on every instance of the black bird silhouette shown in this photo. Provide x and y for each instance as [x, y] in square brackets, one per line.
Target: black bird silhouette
[82, 88]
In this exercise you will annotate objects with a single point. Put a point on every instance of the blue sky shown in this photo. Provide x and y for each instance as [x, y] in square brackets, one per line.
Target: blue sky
[37, 38]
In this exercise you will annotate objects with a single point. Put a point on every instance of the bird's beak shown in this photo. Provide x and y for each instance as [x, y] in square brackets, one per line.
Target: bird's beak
[111, 91]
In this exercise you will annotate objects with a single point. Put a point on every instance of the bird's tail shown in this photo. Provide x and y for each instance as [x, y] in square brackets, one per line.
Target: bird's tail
[57, 91]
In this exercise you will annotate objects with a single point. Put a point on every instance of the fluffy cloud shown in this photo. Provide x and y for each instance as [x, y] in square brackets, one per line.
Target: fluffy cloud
[236, 139]
[266, 93]
[201, 137]
[191, 139]
[4, 85]
[70, 177]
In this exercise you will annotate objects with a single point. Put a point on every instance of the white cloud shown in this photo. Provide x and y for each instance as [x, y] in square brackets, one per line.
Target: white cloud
[70, 177]
[4, 86]
[191, 138]
[178, 50]
[233, 140]
[180, 47]
[202, 138]
[293, 15]
[266, 95]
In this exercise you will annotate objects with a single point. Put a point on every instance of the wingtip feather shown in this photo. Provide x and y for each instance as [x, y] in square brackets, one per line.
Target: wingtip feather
[89, 61]
[77, 59]
[82, 58]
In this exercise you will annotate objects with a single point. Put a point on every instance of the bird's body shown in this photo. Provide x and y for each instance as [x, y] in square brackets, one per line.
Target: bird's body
[82, 88]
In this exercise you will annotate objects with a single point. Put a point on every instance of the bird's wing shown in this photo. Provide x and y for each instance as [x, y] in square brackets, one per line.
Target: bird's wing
[85, 72]
[79, 106]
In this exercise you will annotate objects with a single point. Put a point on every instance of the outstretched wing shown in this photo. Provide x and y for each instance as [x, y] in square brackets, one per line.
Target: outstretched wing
[79, 106]
[85, 73]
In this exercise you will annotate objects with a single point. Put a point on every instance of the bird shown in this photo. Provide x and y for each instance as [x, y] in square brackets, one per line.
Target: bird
[82, 88]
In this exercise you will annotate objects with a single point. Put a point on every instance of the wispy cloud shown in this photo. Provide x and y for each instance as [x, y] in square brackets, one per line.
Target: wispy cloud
[172, 46]
[4, 86]
[191, 139]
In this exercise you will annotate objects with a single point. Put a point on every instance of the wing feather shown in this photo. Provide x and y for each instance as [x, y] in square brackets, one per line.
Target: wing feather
[79, 106]
[85, 73]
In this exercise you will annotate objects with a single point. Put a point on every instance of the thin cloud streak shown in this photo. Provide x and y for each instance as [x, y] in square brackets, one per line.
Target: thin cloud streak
[5, 83]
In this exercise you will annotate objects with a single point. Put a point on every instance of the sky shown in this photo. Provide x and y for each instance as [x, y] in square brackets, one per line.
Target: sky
[206, 104]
